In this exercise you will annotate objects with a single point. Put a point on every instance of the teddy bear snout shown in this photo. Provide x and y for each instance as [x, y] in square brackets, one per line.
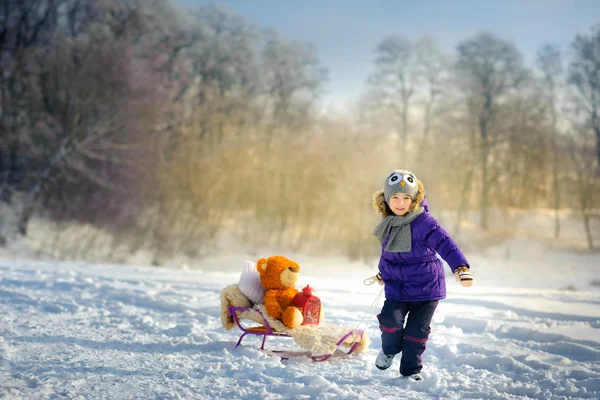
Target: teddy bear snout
[294, 268]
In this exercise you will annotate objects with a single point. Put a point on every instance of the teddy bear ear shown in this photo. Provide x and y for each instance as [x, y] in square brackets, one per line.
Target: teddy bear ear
[261, 265]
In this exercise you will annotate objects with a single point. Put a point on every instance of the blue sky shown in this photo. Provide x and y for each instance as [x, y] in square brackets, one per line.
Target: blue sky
[347, 31]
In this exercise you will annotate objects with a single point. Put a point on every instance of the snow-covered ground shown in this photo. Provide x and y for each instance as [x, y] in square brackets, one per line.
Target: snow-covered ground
[84, 331]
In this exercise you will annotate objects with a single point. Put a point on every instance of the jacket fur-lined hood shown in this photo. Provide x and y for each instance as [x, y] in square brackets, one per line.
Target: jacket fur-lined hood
[381, 207]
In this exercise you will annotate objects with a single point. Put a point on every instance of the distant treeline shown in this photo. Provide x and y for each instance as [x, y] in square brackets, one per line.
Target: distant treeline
[168, 127]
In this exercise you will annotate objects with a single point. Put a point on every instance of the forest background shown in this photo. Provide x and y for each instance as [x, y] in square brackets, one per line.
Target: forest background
[146, 127]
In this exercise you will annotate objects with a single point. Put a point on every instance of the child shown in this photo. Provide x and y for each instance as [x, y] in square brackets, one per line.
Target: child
[410, 271]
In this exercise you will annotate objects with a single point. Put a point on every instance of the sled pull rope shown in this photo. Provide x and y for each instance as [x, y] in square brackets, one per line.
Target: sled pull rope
[370, 310]
[369, 281]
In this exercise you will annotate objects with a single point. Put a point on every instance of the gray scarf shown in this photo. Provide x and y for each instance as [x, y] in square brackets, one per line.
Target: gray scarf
[399, 230]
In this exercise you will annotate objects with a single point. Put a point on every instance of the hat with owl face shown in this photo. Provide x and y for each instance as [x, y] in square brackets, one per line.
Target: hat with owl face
[400, 181]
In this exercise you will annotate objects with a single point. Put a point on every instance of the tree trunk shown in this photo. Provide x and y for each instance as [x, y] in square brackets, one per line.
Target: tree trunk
[588, 232]
[484, 186]
[31, 200]
[555, 181]
[404, 135]
[596, 126]
[426, 130]
[484, 120]
[5, 194]
[464, 199]
[555, 187]
[597, 129]
[12, 178]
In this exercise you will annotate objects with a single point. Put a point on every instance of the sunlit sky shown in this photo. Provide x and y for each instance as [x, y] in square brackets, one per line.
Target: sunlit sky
[346, 32]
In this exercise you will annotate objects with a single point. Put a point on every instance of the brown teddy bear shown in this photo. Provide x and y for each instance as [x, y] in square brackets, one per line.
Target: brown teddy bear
[279, 275]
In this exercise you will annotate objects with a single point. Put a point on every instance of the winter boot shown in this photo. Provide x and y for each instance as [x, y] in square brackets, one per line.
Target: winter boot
[384, 361]
[413, 377]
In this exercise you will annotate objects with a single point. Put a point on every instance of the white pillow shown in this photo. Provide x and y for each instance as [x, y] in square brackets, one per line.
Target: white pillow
[250, 284]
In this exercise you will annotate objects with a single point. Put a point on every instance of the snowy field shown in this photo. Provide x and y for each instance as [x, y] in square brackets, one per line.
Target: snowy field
[84, 331]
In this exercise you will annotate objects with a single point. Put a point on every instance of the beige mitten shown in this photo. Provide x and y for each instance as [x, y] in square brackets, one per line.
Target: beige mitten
[463, 276]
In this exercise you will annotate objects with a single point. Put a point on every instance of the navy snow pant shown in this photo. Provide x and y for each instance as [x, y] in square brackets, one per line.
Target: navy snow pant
[410, 339]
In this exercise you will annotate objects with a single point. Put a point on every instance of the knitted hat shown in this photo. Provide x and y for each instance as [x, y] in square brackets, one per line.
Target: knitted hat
[400, 181]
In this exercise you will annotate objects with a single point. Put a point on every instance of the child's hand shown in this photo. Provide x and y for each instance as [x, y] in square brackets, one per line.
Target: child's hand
[375, 278]
[463, 276]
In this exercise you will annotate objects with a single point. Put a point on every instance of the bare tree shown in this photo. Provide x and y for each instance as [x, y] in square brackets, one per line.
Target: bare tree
[250, 104]
[584, 75]
[586, 181]
[396, 75]
[491, 68]
[432, 66]
[292, 80]
[85, 119]
[23, 25]
[88, 95]
[550, 63]
[470, 160]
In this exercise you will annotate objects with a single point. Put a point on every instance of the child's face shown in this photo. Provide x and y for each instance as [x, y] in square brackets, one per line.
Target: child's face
[400, 203]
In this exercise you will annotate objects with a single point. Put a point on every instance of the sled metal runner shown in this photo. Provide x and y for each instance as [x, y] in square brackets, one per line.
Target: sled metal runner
[266, 330]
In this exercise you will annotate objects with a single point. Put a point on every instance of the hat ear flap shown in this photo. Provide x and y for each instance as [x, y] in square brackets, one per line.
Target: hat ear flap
[379, 203]
[419, 197]
[420, 193]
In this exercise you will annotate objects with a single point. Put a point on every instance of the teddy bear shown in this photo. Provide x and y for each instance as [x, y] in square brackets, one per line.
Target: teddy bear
[278, 275]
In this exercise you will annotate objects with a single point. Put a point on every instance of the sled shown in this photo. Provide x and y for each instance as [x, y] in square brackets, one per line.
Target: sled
[318, 342]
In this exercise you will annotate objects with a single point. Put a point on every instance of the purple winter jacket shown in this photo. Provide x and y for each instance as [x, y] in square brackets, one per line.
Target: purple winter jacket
[419, 275]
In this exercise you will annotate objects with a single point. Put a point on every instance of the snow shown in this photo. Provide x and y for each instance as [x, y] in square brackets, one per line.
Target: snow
[93, 331]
